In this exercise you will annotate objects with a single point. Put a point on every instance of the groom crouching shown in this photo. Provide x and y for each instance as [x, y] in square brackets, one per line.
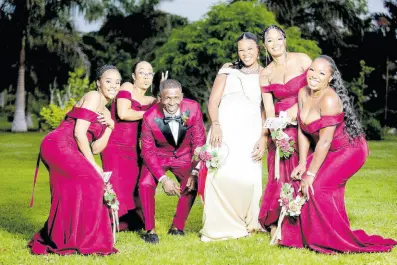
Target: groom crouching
[171, 130]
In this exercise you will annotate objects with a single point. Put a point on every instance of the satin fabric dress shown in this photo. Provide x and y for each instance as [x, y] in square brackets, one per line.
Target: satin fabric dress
[286, 96]
[121, 157]
[233, 192]
[79, 221]
[323, 224]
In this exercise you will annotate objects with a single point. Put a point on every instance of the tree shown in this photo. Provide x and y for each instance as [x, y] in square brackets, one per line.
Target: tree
[118, 43]
[193, 54]
[327, 22]
[39, 23]
[387, 27]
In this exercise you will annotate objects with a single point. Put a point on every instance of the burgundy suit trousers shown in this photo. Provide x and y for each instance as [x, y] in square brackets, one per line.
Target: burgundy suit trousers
[181, 168]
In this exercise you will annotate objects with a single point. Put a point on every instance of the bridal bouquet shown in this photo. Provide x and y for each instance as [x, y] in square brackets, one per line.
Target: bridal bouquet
[290, 206]
[284, 144]
[110, 198]
[208, 156]
[209, 159]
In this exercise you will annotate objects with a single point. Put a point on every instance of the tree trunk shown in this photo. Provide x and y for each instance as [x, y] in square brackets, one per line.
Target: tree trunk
[387, 88]
[29, 120]
[19, 123]
[3, 98]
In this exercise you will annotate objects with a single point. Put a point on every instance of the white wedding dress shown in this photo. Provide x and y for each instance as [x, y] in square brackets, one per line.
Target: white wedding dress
[232, 193]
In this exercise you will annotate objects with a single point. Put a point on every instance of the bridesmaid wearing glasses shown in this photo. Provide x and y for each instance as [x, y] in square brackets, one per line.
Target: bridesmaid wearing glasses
[121, 155]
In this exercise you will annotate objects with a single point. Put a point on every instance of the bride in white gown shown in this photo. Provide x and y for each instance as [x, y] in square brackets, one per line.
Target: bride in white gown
[232, 194]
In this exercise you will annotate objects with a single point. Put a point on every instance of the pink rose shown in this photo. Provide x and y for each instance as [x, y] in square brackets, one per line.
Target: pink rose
[285, 148]
[205, 156]
[284, 145]
[285, 202]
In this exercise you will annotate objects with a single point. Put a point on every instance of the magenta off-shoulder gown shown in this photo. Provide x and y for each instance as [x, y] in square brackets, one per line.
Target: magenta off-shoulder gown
[121, 156]
[323, 224]
[79, 221]
[286, 96]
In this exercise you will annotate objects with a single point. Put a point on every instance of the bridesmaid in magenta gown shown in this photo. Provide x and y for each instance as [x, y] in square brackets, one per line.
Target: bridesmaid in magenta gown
[327, 118]
[280, 81]
[79, 221]
[121, 155]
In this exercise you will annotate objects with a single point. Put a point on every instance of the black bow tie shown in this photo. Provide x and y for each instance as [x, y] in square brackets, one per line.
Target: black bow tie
[173, 118]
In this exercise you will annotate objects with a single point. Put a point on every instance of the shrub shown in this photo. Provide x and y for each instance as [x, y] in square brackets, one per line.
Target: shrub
[53, 115]
[373, 129]
[62, 101]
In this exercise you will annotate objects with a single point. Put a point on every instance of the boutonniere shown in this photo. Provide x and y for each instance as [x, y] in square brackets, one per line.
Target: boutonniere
[185, 118]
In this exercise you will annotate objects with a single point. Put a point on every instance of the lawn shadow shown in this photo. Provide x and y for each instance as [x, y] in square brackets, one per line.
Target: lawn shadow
[17, 219]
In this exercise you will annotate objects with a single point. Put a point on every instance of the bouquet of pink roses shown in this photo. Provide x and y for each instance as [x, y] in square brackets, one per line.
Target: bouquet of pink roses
[207, 155]
[290, 206]
[209, 160]
[110, 198]
[284, 144]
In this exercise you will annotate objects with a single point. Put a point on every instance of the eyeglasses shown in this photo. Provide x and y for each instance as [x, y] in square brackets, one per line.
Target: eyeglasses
[143, 74]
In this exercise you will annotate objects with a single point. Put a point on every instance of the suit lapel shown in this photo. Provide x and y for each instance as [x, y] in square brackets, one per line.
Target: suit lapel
[165, 129]
[181, 134]
[182, 128]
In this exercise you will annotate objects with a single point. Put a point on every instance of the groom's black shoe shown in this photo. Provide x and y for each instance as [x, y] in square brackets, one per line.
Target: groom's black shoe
[151, 238]
[176, 232]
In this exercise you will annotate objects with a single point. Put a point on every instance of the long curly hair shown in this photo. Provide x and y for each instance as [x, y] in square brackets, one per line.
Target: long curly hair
[244, 36]
[353, 124]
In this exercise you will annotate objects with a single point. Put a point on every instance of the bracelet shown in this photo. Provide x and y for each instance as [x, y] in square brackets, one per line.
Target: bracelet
[302, 162]
[216, 122]
[310, 174]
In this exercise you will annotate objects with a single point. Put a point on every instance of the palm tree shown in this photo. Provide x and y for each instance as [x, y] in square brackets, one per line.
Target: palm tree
[387, 27]
[41, 23]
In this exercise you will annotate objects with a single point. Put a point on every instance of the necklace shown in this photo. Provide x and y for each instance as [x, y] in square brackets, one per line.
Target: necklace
[247, 71]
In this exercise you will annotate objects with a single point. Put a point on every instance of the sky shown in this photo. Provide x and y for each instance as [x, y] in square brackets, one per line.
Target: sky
[194, 10]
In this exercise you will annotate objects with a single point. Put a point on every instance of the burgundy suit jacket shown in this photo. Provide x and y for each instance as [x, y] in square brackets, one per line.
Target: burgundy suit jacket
[157, 139]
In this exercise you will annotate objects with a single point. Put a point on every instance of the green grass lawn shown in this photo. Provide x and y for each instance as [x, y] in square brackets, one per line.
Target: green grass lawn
[371, 199]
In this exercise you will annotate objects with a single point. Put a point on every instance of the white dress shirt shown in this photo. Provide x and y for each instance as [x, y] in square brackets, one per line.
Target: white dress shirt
[174, 125]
